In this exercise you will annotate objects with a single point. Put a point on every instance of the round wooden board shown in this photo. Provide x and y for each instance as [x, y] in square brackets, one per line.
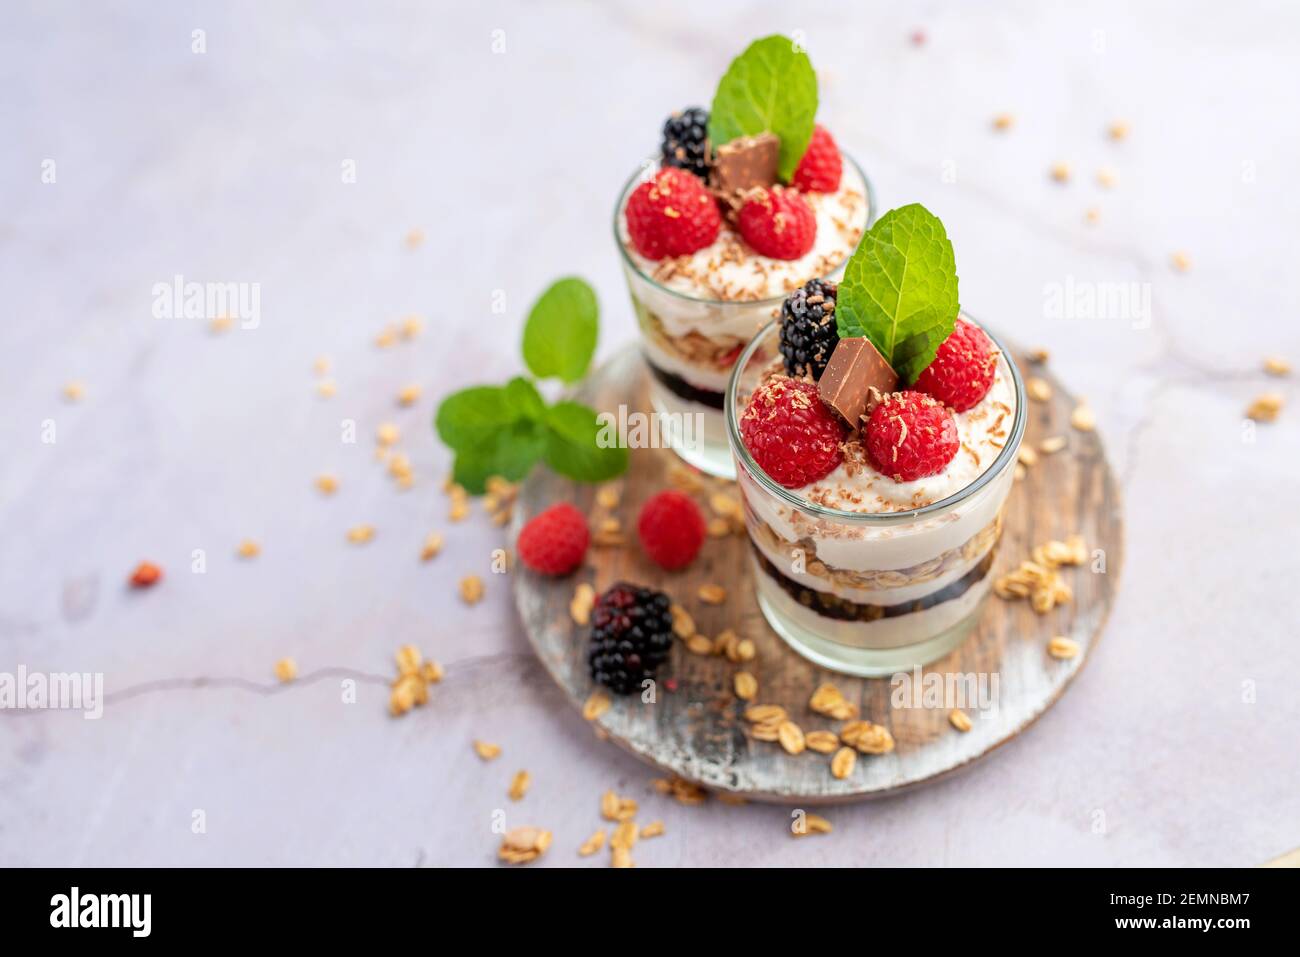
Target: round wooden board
[695, 727]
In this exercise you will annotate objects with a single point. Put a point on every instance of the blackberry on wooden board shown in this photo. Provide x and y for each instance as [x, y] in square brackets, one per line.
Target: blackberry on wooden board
[631, 636]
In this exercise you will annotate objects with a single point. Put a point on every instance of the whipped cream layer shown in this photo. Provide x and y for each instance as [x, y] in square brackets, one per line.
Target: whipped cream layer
[856, 486]
[728, 271]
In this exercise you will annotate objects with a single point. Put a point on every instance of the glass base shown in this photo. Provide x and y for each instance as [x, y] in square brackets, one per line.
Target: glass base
[697, 433]
[852, 659]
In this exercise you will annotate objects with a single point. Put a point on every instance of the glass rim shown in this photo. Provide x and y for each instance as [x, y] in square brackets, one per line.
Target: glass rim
[1005, 458]
[631, 263]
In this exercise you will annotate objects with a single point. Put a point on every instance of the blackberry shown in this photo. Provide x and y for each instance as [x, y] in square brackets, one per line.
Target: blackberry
[808, 333]
[631, 635]
[686, 141]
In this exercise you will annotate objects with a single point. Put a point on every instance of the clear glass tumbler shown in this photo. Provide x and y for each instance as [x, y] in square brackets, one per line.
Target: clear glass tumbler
[691, 342]
[869, 593]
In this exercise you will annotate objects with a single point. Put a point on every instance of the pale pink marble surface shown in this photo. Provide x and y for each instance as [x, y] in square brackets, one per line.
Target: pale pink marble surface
[226, 166]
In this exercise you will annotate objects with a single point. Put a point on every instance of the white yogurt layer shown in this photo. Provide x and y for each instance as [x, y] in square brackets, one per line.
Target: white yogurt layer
[983, 431]
[728, 270]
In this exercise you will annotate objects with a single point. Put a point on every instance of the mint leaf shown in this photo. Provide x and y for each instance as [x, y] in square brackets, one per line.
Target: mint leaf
[771, 87]
[574, 448]
[525, 399]
[464, 418]
[510, 452]
[560, 334]
[900, 290]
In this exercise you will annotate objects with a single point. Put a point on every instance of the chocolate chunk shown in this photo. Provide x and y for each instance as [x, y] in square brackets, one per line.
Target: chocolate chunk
[856, 378]
[744, 163]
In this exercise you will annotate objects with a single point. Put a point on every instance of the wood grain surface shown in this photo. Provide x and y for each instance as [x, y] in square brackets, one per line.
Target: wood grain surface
[695, 728]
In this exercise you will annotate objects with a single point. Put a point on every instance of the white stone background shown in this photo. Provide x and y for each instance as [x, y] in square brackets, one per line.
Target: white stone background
[226, 166]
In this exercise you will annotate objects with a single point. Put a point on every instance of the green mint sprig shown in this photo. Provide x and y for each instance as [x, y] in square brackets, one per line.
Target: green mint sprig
[770, 88]
[900, 290]
[506, 430]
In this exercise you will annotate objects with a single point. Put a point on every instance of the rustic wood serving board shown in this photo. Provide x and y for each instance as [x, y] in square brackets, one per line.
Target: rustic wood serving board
[695, 728]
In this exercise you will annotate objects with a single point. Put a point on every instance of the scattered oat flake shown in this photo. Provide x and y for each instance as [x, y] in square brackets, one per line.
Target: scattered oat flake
[1062, 647]
[592, 844]
[1027, 456]
[1277, 366]
[471, 589]
[74, 391]
[1040, 390]
[683, 623]
[409, 395]
[408, 659]
[1106, 177]
[746, 685]
[1118, 130]
[653, 829]
[874, 739]
[1181, 261]
[431, 547]
[431, 672]
[607, 496]
[843, 762]
[327, 484]
[414, 238]
[1092, 215]
[1052, 444]
[620, 857]
[1003, 122]
[1039, 355]
[596, 705]
[1265, 407]
[360, 534]
[326, 388]
[388, 434]
[1083, 418]
[712, 594]
[387, 338]
[810, 824]
[959, 719]
[519, 785]
[486, 750]
[248, 549]
[745, 650]
[718, 528]
[411, 327]
[624, 835]
[583, 601]
[221, 324]
[1061, 172]
[790, 736]
[286, 669]
[523, 844]
[322, 365]
[823, 742]
[459, 510]
[699, 645]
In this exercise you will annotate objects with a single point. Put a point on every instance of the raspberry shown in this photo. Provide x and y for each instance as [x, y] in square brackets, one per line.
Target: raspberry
[909, 436]
[819, 170]
[672, 214]
[778, 223]
[962, 370]
[791, 434]
[686, 141]
[671, 529]
[554, 541]
[631, 635]
[808, 331]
